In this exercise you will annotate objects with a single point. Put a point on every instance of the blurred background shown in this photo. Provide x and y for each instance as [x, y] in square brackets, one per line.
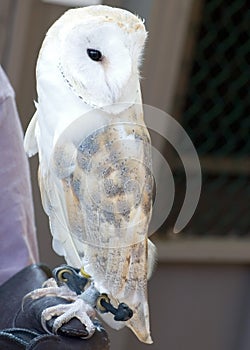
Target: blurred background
[197, 68]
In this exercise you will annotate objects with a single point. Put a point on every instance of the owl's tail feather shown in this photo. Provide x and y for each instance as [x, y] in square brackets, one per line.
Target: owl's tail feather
[139, 323]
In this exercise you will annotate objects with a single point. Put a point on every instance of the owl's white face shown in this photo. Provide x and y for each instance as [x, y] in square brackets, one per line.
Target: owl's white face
[100, 61]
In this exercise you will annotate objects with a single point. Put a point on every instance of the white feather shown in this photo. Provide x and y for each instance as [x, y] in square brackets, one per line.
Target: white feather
[30, 143]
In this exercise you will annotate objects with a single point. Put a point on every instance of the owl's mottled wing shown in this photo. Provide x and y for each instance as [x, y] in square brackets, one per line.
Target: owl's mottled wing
[97, 193]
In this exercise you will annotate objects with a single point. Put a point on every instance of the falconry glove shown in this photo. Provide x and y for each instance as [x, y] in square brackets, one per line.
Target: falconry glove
[20, 323]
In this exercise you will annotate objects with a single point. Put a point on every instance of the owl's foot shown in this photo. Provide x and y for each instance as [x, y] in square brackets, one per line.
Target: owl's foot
[51, 289]
[80, 300]
[65, 312]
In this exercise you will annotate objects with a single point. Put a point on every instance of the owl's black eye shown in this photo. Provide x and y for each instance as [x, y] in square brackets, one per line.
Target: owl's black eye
[95, 55]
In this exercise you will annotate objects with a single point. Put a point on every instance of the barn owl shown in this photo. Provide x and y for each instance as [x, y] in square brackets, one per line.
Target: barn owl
[94, 154]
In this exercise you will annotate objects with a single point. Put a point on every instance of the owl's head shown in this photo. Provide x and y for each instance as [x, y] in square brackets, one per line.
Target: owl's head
[99, 53]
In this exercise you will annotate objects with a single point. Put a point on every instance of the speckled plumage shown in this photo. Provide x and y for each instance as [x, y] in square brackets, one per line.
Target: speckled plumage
[94, 152]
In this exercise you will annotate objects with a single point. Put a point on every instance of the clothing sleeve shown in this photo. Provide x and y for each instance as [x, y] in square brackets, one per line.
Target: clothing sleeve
[18, 245]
